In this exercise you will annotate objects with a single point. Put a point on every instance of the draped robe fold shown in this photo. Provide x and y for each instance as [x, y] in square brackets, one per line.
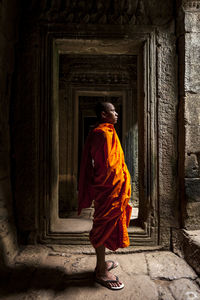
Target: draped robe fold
[104, 178]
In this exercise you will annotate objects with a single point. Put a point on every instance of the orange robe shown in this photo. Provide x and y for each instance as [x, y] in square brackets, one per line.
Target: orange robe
[104, 178]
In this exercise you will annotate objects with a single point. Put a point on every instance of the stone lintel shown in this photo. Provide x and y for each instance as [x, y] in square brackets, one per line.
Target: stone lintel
[191, 5]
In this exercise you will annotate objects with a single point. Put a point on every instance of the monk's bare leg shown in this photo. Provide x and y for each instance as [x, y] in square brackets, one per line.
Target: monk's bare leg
[102, 272]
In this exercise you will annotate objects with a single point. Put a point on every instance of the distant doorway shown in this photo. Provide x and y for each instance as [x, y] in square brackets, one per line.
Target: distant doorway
[85, 120]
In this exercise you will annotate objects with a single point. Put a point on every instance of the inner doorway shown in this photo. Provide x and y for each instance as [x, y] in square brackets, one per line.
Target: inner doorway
[85, 80]
[86, 121]
[82, 106]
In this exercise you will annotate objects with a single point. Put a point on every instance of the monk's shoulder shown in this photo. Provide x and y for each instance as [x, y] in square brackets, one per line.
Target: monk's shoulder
[104, 130]
[98, 137]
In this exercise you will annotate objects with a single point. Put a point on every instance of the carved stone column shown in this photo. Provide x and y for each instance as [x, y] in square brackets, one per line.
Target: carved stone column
[189, 111]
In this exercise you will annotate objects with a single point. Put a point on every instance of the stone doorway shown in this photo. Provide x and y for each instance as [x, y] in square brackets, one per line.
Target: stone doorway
[78, 72]
[85, 80]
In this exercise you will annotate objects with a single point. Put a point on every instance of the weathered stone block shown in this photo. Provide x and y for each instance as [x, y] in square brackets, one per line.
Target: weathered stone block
[192, 22]
[8, 246]
[184, 289]
[165, 234]
[192, 62]
[191, 166]
[192, 72]
[164, 293]
[192, 44]
[189, 247]
[135, 263]
[177, 242]
[192, 189]
[167, 132]
[141, 287]
[192, 138]
[32, 255]
[193, 216]
[169, 266]
[192, 109]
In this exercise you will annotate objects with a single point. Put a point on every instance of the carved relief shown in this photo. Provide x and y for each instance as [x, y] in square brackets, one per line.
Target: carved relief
[191, 5]
[93, 78]
[93, 12]
[89, 70]
[115, 12]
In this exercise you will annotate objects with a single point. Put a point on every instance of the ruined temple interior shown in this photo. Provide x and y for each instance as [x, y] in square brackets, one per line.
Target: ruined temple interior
[57, 60]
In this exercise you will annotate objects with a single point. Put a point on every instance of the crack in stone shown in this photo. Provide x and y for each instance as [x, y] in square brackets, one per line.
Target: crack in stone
[147, 263]
[174, 279]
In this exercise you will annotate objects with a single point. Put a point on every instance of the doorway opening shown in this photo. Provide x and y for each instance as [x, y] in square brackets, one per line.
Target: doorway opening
[118, 73]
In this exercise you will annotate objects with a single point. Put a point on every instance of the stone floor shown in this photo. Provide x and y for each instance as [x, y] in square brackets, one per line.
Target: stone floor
[55, 273]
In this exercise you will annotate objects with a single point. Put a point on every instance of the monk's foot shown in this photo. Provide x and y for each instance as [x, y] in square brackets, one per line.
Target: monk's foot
[109, 280]
[110, 264]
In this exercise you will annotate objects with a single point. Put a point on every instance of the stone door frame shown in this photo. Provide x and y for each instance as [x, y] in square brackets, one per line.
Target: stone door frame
[141, 42]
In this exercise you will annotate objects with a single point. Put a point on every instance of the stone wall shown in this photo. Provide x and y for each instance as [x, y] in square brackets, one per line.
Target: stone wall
[167, 98]
[8, 38]
[189, 111]
[81, 20]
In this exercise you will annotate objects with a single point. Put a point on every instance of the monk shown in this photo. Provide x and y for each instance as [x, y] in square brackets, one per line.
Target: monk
[104, 178]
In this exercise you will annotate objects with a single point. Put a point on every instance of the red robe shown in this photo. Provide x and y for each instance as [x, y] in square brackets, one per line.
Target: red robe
[104, 178]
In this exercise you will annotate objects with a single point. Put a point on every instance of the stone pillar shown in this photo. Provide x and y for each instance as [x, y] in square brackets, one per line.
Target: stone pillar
[188, 30]
[8, 38]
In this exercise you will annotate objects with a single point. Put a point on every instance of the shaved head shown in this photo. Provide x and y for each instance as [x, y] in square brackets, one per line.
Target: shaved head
[106, 113]
[100, 107]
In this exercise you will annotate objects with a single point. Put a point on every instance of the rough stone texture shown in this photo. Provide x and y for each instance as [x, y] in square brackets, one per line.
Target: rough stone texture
[164, 292]
[68, 275]
[198, 281]
[192, 138]
[166, 265]
[192, 165]
[8, 39]
[193, 216]
[30, 295]
[187, 245]
[102, 12]
[167, 128]
[189, 121]
[192, 66]
[192, 109]
[184, 289]
[32, 255]
[134, 264]
[192, 189]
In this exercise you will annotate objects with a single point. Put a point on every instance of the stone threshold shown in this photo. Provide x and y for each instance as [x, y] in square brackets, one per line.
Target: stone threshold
[62, 250]
[186, 244]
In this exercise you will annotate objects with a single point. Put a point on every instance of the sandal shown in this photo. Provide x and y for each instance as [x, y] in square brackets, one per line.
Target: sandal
[114, 264]
[106, 283]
